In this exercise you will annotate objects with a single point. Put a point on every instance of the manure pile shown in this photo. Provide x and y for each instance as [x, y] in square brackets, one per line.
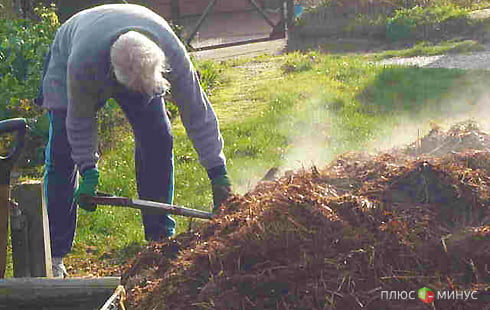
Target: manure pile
[337, 237]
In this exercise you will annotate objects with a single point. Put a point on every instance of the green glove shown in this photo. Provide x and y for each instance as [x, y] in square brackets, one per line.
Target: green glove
[88, 185]
[221, 187]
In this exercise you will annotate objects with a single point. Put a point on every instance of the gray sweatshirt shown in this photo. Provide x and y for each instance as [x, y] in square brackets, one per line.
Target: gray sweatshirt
[78, 79]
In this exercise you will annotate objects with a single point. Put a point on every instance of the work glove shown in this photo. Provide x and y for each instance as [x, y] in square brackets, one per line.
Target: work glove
[221, 187]
[88, 185]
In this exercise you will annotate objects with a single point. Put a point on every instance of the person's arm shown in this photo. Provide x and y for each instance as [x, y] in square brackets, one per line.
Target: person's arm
[81, 127]
[200, 122]
[196, 113]
[81, 121]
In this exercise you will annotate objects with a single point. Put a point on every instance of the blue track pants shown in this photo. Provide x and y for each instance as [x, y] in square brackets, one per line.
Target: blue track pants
[153, 164]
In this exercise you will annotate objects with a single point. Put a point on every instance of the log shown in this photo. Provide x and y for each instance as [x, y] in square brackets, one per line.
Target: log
[56, 294]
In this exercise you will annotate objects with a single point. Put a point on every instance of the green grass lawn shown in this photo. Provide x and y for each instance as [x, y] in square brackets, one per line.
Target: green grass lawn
[287, 111]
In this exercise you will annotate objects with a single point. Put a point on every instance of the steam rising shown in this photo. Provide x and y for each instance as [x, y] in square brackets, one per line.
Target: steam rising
[311, 143]
[316, 137]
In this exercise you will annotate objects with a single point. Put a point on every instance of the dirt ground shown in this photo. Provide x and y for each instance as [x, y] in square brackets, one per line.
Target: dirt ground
[273, 47]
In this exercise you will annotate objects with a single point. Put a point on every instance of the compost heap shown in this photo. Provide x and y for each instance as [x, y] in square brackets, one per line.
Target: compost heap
[335, 238]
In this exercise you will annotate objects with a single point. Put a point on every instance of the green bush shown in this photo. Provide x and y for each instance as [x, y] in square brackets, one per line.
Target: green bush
[23, 46]
[209, 72]
[391, 21]
[427, 23]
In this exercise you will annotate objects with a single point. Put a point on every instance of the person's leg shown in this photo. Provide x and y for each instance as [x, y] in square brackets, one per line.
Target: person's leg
[153, 158]
[59, 186]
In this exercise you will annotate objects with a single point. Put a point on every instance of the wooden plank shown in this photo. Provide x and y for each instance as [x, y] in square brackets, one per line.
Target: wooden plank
[289, 13]
[50, 293]
[29, 196]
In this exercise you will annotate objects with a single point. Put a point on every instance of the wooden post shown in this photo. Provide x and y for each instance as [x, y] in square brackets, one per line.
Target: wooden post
[288, 15]
[29, 196]
[4, 215]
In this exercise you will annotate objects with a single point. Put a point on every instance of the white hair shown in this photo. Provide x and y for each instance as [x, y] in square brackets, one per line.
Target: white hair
[139, 63]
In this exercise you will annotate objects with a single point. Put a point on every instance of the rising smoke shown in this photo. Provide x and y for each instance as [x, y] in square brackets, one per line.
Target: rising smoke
[312, 137]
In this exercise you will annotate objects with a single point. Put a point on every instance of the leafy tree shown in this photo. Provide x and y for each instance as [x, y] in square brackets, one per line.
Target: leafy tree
[23, 46]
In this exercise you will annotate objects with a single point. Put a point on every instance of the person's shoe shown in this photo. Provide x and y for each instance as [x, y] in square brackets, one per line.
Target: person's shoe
[59, 270]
